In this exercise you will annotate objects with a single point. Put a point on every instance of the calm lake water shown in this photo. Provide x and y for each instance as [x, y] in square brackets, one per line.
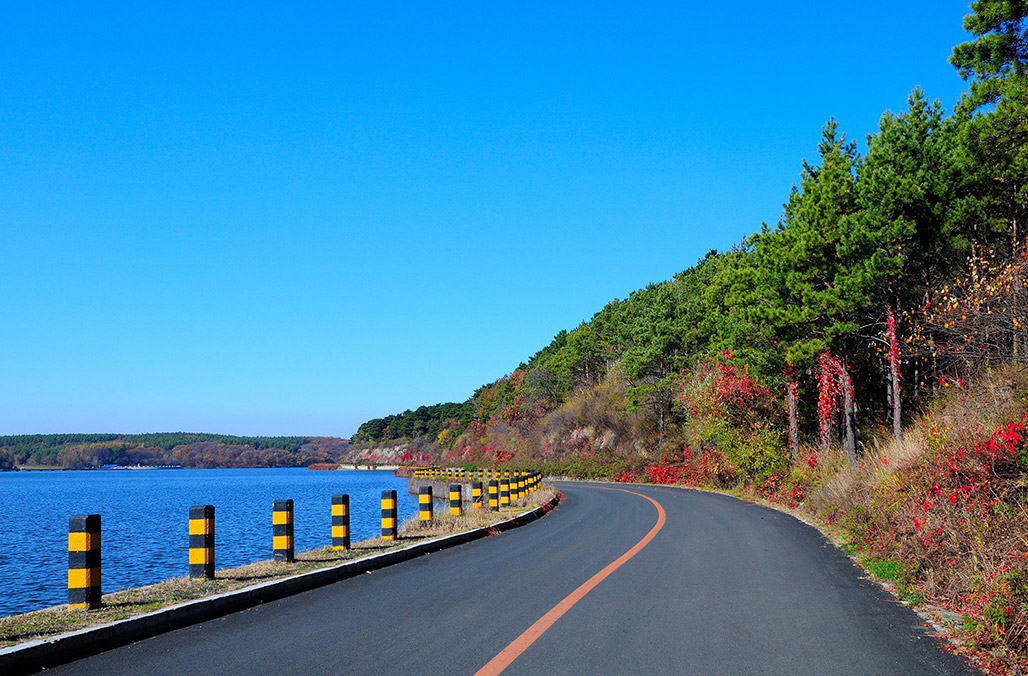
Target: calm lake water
[145, 515]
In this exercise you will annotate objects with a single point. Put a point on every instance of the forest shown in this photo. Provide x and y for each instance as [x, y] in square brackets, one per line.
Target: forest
[860, 359]
[81, 451]
[426, 421]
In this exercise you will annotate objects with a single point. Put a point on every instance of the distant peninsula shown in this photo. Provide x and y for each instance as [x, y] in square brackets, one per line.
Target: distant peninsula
[92, 451]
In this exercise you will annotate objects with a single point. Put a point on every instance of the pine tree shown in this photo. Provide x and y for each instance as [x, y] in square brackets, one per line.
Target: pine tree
[995, 133]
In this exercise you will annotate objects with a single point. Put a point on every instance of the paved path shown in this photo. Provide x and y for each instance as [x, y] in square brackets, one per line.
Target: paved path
[723, 587]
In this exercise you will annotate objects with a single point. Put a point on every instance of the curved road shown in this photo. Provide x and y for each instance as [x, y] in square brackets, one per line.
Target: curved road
[722, 587]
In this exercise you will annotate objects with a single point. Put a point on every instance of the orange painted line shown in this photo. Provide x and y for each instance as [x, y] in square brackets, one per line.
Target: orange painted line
[521, 643]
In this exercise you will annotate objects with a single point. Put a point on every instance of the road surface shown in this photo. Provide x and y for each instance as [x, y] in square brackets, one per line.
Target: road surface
[645, 580]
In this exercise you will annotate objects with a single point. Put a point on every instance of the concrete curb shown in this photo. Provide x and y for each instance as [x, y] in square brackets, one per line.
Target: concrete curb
[44, 653]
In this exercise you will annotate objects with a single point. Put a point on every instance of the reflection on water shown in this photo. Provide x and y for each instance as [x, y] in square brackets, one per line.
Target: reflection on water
[145, 514]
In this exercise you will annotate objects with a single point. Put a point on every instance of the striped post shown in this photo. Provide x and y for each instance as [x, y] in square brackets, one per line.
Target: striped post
[476, 495]
[504, 492]
[521, 485]
[388, 515]
[201, 542]
[425, 506]
[282, 530]
[341, 521]
[494, 495]
[84, 562]
[456, 500]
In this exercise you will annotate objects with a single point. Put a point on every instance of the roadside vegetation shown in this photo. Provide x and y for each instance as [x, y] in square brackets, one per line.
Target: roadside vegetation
[861, 359]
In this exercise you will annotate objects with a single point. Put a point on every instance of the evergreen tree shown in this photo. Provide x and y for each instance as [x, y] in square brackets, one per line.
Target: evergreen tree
[815, 288]
[996, 138]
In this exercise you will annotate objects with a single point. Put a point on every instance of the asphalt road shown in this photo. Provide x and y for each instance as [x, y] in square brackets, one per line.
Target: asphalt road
[723, 587]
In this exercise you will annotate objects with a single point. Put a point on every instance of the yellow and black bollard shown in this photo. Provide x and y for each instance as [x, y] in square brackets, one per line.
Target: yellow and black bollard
[341, 521]
[84, 562]
[504, 492]
[388, 515]
[521, 485]
[476, 495]
[494, 495]
[282, 530]
[425, 506]
[456, 500]
[201, 542]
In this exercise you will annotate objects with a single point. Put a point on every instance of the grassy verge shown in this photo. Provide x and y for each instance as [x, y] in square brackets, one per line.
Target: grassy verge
[131, 602]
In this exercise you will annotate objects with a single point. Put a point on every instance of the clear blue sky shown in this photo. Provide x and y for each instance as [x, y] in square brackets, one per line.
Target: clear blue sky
[287, 218]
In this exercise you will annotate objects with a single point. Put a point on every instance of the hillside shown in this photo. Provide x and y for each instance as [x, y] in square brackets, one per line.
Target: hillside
[888, 275]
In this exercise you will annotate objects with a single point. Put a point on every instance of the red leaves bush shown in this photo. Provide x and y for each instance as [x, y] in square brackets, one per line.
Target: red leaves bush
[955, 517]
[724, 390]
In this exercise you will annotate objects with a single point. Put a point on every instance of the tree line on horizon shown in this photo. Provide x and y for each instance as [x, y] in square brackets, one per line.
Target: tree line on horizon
[889, 276]
[81, 451]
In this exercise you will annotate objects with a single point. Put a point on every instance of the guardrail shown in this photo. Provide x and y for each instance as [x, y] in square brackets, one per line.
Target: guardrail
[522, 481]
[84, 532]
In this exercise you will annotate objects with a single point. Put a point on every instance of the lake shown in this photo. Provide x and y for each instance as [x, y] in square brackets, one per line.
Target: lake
[145, 515]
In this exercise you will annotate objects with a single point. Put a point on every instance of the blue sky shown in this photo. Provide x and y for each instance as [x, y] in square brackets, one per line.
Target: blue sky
[287, 218]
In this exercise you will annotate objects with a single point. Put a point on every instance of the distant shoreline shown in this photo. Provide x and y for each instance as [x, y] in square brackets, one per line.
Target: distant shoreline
[324, 467]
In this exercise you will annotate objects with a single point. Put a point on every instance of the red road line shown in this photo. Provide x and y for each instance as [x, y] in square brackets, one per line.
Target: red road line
[521, 643]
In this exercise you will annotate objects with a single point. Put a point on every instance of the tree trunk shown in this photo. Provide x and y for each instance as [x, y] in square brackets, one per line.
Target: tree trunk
[895, 389]
[849, 443]
[934, 373]
[661, 436]
[794, 425]
[897, 402]
[826, 402]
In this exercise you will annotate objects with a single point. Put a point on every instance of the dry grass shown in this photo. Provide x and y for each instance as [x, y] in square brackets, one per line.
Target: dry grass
[944, 513]
[131, 602]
